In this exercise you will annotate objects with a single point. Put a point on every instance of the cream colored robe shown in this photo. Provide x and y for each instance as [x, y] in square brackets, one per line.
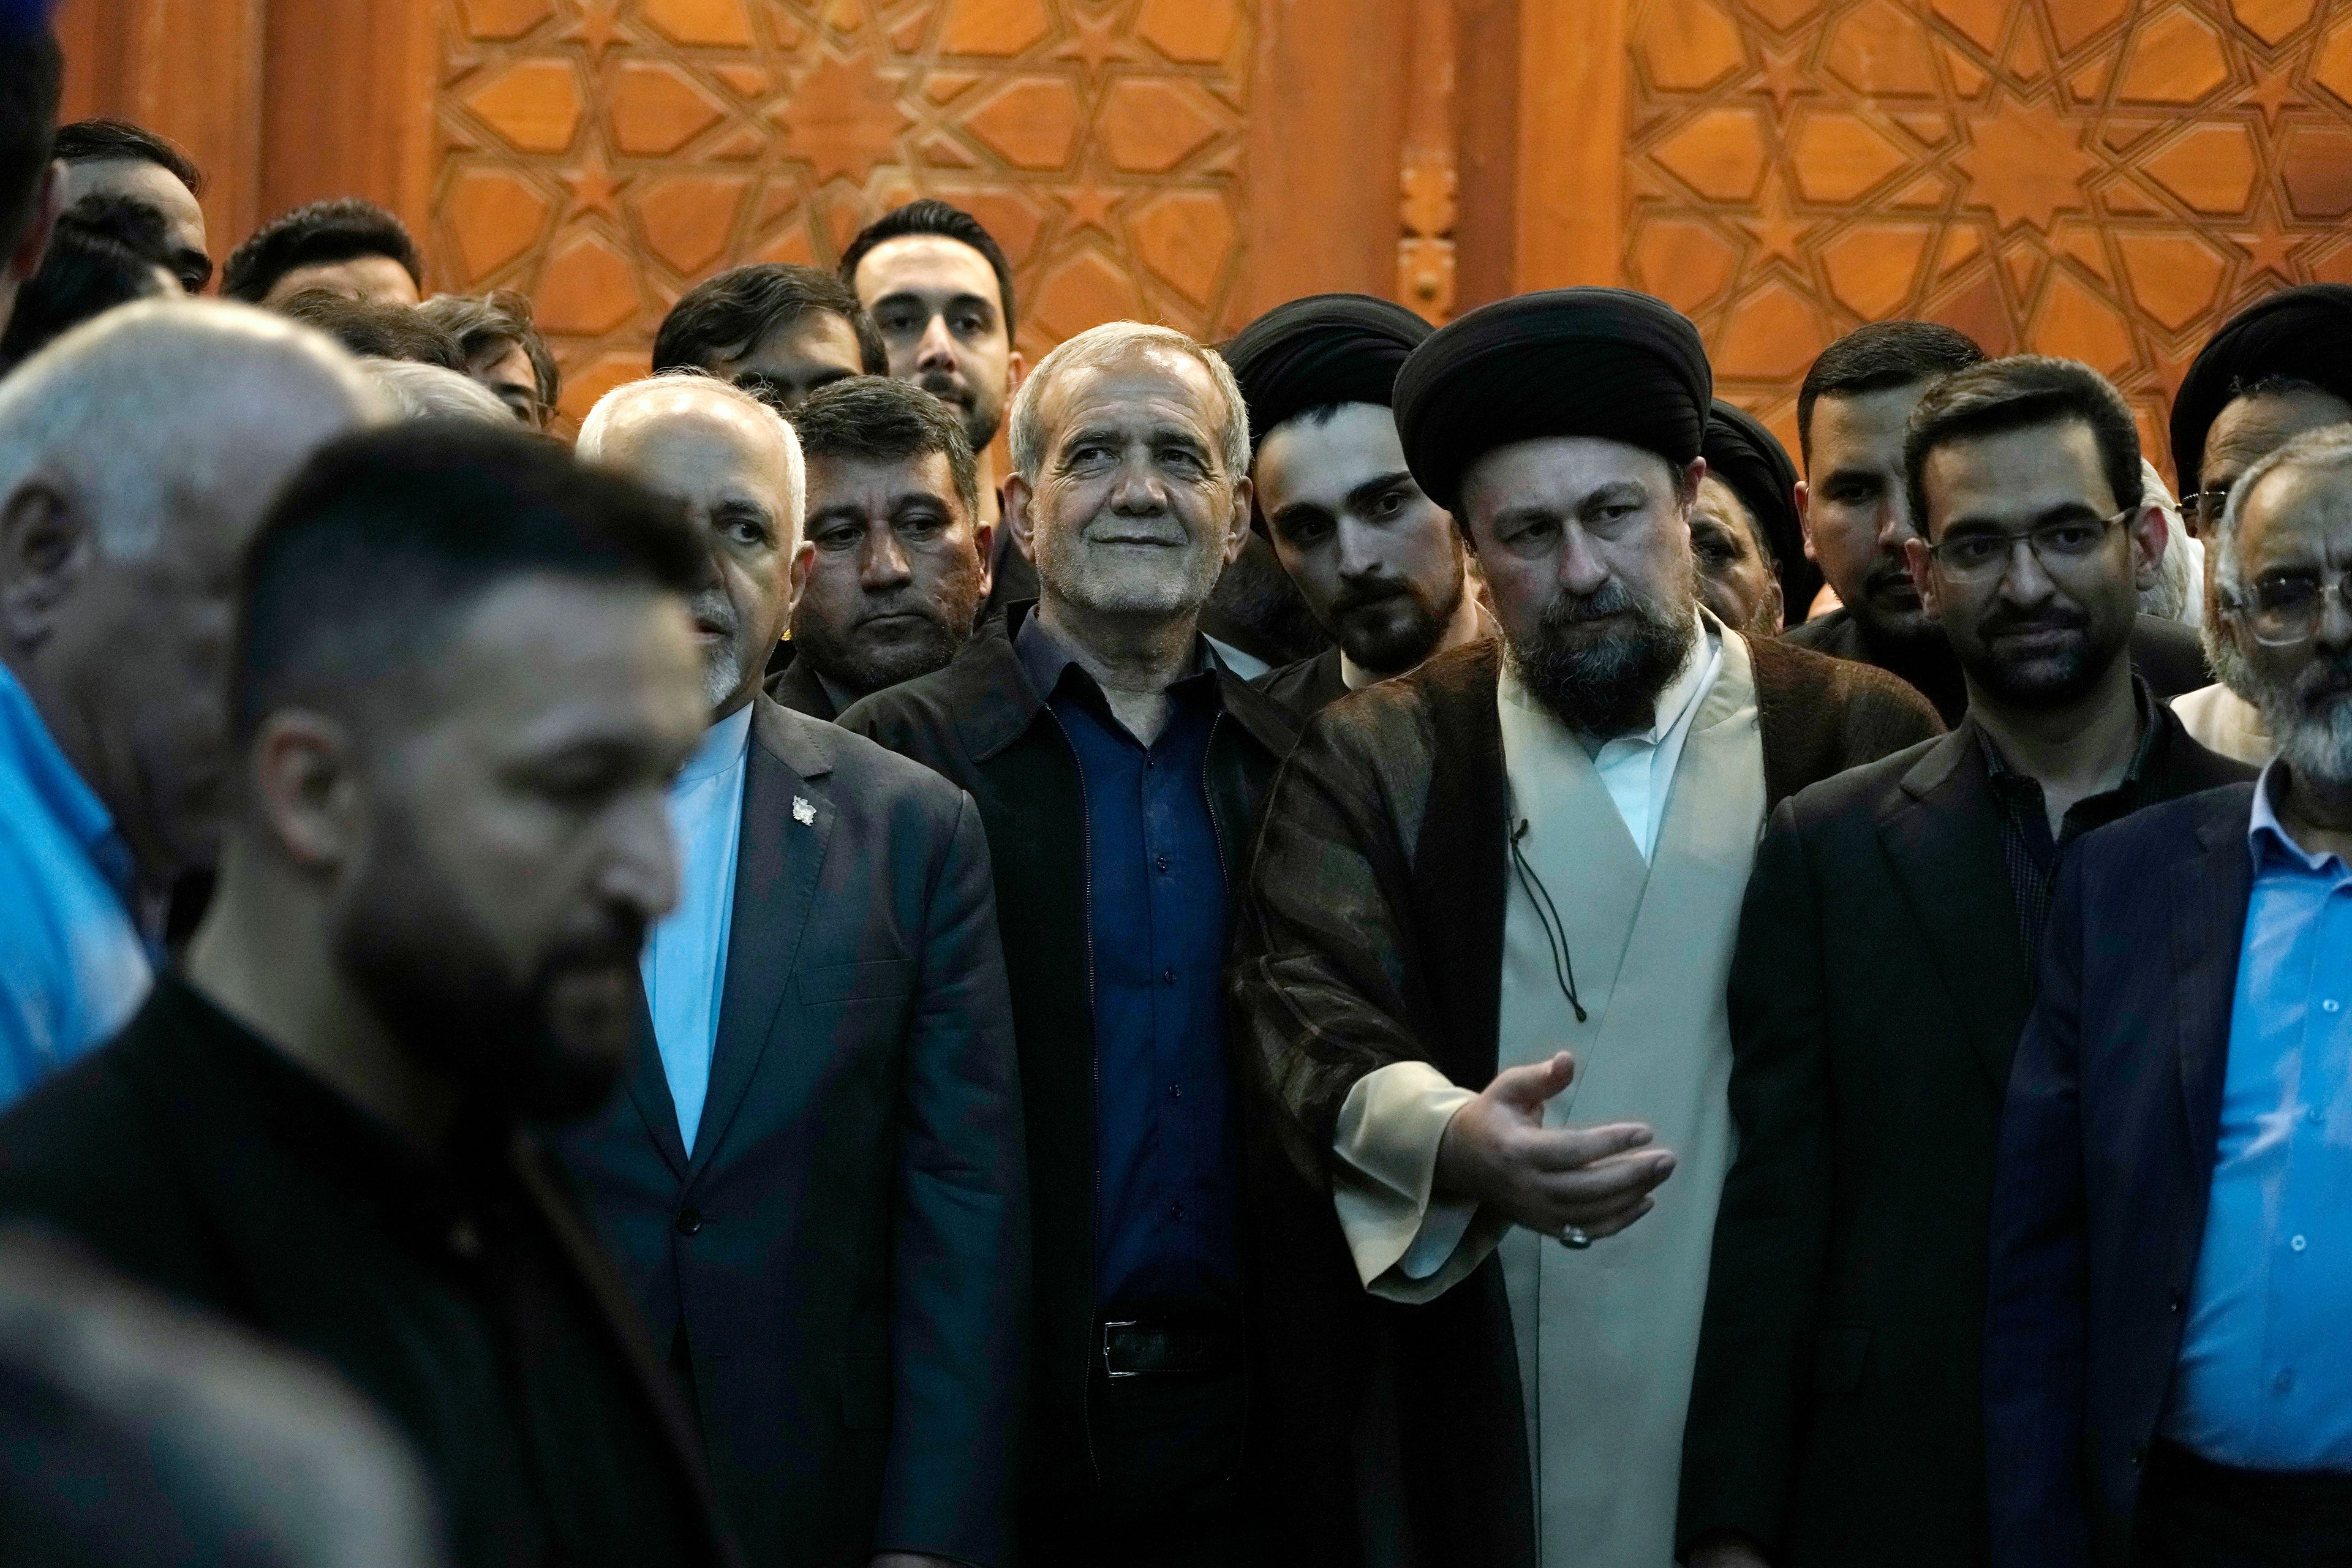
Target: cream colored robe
[2220, 721]
[1606, 1337]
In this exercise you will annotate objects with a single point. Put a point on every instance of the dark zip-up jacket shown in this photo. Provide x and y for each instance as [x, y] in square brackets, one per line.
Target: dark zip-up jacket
[982, 724]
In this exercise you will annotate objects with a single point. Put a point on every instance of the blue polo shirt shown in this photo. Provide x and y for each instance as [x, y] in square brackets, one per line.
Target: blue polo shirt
[1165, 1148]
[74, 962]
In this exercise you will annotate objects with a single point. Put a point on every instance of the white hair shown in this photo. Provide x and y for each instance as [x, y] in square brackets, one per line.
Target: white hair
[434, 392]
[679, 390]
[126, 410]
[2329, 446]
[2179, 592]
[1109, 344]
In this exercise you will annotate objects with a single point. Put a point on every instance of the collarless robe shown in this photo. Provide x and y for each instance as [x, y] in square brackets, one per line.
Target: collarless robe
[1606, 1337]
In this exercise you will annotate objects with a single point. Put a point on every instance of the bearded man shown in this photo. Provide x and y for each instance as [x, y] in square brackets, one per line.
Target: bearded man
[1481, 967]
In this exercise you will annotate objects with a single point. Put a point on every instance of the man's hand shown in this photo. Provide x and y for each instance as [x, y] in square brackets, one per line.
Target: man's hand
[1497, 1150]
[1723, 1549]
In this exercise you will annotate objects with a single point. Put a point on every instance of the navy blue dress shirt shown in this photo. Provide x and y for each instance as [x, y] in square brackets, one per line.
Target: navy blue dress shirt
[1165, 1148]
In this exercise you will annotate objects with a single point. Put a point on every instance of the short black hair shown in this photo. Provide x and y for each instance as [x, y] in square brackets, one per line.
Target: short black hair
[1875, 357]
[374, 329]
[872, 417]
[31, 74]
[104, 253]
[317, 236]
[96, 141]
[2017, 394]
[387, 535]
[723, 316]
[494, 324]
[929, 215]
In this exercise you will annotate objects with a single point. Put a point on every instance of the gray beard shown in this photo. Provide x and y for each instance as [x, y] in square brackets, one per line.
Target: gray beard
[2223, 657]
[1610, 687]
[2316, 744]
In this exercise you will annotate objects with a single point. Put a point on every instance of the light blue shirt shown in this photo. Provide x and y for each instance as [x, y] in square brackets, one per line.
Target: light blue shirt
[2265, 1372]
[685, 961]
[73, 964]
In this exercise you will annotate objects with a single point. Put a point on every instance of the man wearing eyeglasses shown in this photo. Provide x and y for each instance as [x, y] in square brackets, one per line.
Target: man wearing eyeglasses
[2166, 1374]
[1883, 973]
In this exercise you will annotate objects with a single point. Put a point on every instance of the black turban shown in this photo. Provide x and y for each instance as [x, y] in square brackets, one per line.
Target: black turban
[1751, 459]
[1606, 363]
[1320, 351]
[2301, 334]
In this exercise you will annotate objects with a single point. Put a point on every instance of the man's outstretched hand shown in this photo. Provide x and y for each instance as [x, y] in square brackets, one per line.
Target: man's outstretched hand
[1497, 1150]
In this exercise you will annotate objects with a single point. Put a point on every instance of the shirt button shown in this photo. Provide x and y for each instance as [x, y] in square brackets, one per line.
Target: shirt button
[2298, 1243]
[2285, 1380]
[2315, 1116]
[1163, 862]
[1175, 1091]
[690, 1220]
[1176, 1212]
[1166, 977]
[2331, 1005]
[465, 1240]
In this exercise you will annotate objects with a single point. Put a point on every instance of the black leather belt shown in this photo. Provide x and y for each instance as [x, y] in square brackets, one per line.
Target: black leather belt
[1131, 1350]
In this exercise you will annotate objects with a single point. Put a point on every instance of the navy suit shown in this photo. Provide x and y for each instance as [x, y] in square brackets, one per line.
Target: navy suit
[2107, 1159]
[846, 1252]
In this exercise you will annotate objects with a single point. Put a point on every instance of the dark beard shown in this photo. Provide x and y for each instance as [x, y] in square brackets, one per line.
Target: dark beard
[1608, 686]
[979, 423]
[548, 1046]
[2044, 680]
[1401, 629]
[864, 668]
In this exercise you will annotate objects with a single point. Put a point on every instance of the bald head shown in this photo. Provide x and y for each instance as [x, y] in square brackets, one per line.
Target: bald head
[137, 455]
[736, 466]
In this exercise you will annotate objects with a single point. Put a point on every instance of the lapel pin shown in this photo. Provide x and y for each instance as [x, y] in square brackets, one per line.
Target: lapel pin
[803, 812]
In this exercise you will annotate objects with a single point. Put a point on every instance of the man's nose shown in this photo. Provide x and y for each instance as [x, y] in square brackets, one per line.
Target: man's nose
[1137, 491]
[1895, 521]
[1581, 570]
[2333, 630]
[2024, 579]
[1360, 553]
[882, 561]
[937, 347]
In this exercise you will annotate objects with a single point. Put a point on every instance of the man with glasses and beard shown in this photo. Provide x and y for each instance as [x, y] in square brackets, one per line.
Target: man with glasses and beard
[1882, 975]
[2166, 1376]
[1480, 968]
[463, 674]
[1379, 564]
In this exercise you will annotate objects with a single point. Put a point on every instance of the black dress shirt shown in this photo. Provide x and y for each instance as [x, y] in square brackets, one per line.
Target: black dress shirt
[457, 1293]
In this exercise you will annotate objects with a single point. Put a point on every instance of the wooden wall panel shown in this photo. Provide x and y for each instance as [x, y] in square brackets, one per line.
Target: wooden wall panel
[2103, 179]
[606, 154]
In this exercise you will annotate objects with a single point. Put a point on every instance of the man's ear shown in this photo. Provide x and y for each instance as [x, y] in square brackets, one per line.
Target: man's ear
[983, 540]
[47, 546]
[306, 784]
[1237, 535]
[1017, 498]
[1687, 482]
[1918, 558]
[797, 576]
[1803, 494]
[2150, 536]
[1016, 371]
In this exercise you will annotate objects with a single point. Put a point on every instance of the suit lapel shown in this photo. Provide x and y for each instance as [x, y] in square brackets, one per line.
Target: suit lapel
[2210, 892]
[1944, 842]
[649, 1086]
[788, 820]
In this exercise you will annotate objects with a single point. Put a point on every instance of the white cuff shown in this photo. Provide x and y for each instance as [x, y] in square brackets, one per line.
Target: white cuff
[1406, 1247]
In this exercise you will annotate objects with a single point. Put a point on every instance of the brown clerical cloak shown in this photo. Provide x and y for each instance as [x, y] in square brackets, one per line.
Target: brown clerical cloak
[1373, 934]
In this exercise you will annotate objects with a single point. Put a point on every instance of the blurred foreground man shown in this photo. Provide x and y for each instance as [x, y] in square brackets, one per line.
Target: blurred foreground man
[1882, 976]
[137, 456]
[813, 1182]
[1119, 767]
[890, 575]
[463, 673]
[1380, 563]
[2276, 369]
[2167, 1380]
[1523, 849]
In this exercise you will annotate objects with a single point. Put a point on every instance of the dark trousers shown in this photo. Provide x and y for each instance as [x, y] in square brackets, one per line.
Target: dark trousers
[1168, 1449]
[2194, 1513]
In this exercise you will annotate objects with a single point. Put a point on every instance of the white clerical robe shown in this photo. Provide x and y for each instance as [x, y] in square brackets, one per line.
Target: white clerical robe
[1606, 1337]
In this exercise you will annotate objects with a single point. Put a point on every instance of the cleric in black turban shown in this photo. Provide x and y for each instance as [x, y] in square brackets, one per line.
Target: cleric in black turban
[2296, 335]
[1750, 461]
[1319, 352]
[1603, 363]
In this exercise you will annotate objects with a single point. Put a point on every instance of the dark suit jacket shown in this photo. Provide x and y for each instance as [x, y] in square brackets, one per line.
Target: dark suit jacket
[1876, 997]
[1373, 935]
[197, 1160]
[2166, 654]
[846, 1248]
[2106, 1158]
[980, 723]
[794, 685]
[1307, 687]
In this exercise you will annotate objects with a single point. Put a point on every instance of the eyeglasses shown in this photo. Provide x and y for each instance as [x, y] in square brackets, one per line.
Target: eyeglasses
[1981, 553]
[2205, 508]
[2284, 609]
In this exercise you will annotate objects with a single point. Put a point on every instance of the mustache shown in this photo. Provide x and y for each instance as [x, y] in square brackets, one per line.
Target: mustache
[712, 608]
[1380, 591]
[1892, 571]
[945, 385]
[2325, 680]
[2052, 618]
[1611, 598]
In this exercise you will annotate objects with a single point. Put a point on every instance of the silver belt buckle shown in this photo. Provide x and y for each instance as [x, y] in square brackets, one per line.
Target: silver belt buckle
[1108, 1370]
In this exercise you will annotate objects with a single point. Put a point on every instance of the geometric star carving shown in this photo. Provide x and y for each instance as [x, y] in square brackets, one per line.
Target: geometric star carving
[1089, 207]
[843, 117]
[2025, 161]
[1783, 76]
[598, 28]
[2268, 246]
[1098, 42]
[2272, 92]
[1778, 229]
[593, 188]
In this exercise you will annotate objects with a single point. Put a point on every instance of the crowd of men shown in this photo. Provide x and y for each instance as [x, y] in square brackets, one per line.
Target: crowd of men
[1398, 948]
